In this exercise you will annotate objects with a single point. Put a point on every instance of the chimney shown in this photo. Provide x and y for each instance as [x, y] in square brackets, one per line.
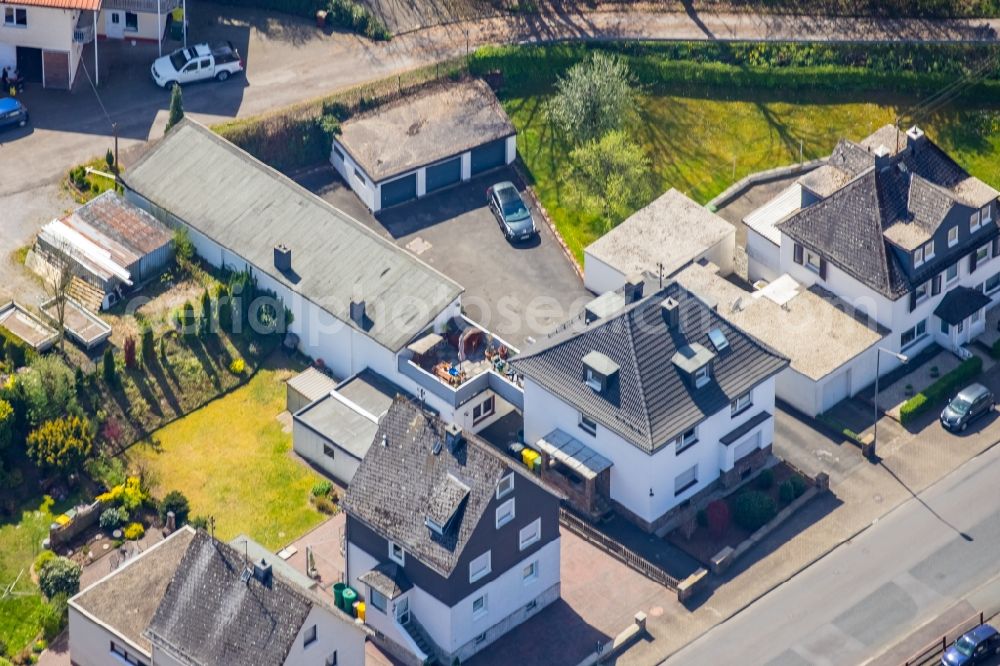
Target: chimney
[282, 258]
[171, 522]
[262, 571]
[882, 158]
[633, 288]
[358, 306]
[453, 437]
[671, 310]
[915, 138]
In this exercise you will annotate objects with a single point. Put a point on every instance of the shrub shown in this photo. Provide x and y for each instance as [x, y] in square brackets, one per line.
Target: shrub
[113, 518]
[753, 509]
[15, 351]
[717, 514]
[7, 424]
[49, 390]
[109, 369]
[701, 517]
[129, 495]
[109, 159]
[322, 488]
[791, 489]
[207, 314]
[146, 342]
[42, 559]
[61, 444]
[765, 480]
[59, 576]
[54, 616]
[324, 505]
[39, 646]
[175, 501]
[129, 353]
[940, 389]
[238, 366]
[134, 532]
[199, 522]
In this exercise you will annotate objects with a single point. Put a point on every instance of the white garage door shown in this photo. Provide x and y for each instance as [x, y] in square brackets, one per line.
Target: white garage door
[837, 388]
[746, 447]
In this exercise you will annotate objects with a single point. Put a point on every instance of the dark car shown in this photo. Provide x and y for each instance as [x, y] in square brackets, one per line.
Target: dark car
[971, 403]
[975, 647]
[511, 212]
[12, 113]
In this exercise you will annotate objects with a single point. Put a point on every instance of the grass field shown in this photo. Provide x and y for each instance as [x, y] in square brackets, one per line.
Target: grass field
[701, 146]
[233, 462]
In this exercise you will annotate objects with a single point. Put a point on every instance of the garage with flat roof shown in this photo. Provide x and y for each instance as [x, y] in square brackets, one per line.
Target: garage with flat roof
[424, 143]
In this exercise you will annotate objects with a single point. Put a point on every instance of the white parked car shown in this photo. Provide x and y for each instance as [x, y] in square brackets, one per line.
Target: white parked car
[197, 63]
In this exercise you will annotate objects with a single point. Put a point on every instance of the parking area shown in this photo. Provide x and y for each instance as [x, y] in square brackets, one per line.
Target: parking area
[519, 291]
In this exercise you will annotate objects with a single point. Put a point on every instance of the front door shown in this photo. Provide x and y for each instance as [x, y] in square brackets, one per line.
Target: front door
[403, 610]
[114, 24]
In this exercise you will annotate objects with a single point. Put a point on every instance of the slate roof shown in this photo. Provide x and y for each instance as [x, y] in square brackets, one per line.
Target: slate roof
[208, 617]
[652, 401]
[399, 484]
[960, 303]
[387, 578]
[249, 208]
[903, 203]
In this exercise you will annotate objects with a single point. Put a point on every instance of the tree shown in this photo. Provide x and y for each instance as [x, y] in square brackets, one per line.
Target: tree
[614, 175]
[146, 342]
[183, 249]
[129, 352]
[593, 98]
[110, 371]
[61, 444]
[109, 159]
[49, 389]
[7, 423]
[176, 108]
[207, 315]
[61, 272]
[60, 575]
[175, 501]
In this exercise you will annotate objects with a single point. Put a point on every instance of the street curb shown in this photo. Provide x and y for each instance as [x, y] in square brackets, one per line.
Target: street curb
[824, 554]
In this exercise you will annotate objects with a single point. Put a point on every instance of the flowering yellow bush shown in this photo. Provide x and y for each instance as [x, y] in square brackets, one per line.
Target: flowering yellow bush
[134, 531]
[238, 366]
[128, 495]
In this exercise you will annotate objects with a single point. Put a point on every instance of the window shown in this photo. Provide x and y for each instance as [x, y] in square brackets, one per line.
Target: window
[122, 655]
[993, 283]
[309, 637]
[986, 215]
[131, 22]
[974, 221]
[701, 376]
[328, 451]
[116, 18]
[918, 256]
[531, 605]
[686, 441]
[118, 650]
[921, 292]
[588, 424]
[951, 274]
[505, 486]
[929, 251]
[741, 404]
[982, 254]
[530, 533]
[361, 176]
[529, 573]
[481, 638]
[944, 327]
[479, 607]
[953, 237]
[376, 599]
[505, 513]
[685, 480]
[483, 410]
[332, 659]
[339, 153]
[813, 261]
[974, 317]
[593, 380]
[480, 567]
[910, 336]
[15, 17]
[396, 553]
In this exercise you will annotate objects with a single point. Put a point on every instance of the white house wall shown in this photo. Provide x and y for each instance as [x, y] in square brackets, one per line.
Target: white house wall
[764, 257]
[721, 254]
[334, 633]
[90, 641]
[48, 29]
[599, 276]
[310, 445]
[149, 29]
[366, 190]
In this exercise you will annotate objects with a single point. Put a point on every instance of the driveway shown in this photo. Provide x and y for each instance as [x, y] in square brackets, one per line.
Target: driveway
[518, 291]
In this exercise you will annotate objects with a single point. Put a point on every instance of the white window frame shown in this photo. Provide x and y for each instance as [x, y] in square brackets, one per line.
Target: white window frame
[812, 261]
[974, 221]
[686, 440]
[952, 280]
[399, 558]
[986, 215]
[332, 659]
[505, 513]
[481, 567]
[918, 334]
[687, 485]
[506, 486]
[588, 425]
[592, 380]
[484, 410]
[530, 534]
[375, 598]
[929, 250]
[741, 404]
[922, 291]
[918, 257]
[309, 636]
[982, 255]
[974, 317]
[986, 289]
[484, 606]
[702, 376]
[529, 572]
[12, 13]
[953, 237]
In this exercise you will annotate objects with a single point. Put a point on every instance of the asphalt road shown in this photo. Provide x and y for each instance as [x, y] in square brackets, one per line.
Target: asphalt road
[867, 594]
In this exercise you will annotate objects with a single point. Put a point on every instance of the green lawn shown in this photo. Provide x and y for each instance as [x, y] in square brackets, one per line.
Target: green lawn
[233, 462]
[701, 146]
[21, 610]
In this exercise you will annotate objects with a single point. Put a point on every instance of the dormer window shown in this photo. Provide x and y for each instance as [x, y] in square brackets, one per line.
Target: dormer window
[702, 376]
[986, 215]
[599, 371]
[396, 553]
[593, 380]
[974, 221]
[918, 256]
[953, 237]
[696, 362]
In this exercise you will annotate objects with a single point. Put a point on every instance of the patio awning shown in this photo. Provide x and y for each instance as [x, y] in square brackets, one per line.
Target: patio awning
[387, 578]
[573, 453]
[425, 344]
[960, 303]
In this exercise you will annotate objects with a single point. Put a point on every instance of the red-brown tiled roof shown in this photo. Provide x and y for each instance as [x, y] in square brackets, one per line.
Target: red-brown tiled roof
[87, 5]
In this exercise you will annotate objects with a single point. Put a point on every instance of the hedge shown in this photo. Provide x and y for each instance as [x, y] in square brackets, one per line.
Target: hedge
[343, 13]
[942, 388]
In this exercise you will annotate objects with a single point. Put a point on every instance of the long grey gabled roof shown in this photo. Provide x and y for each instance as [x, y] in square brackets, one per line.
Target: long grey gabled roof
[652, 401]
[248, 208]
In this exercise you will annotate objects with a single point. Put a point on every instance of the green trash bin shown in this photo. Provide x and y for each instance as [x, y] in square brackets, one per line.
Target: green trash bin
[350, 596]
[338, 594]
[177, 31]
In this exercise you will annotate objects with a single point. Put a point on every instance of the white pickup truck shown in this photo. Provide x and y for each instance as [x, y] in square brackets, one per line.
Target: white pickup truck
[197, 63]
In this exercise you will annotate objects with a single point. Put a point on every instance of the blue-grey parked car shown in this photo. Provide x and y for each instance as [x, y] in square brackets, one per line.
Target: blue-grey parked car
[12, 113]
[511, 212]
[975, 647]
[970, 403]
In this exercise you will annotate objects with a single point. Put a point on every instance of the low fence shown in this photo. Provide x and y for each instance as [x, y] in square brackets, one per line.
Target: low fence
[932, 653]
[629, 557]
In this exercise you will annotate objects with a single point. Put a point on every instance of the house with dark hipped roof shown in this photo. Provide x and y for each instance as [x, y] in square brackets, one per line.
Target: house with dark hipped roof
[649, 407]
[450, 544]
[191, 600]
[903, 234]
